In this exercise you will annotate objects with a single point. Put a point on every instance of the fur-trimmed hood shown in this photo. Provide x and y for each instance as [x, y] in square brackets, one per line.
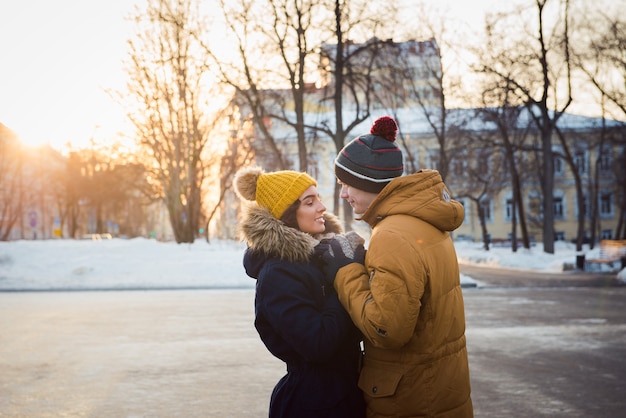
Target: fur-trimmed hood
[262, 232]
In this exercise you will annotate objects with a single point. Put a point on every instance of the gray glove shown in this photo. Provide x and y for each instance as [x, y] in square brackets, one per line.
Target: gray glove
[349, 243]
[335, 258]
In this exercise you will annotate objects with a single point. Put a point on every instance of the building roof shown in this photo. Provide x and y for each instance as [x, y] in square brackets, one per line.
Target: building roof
[413, 120]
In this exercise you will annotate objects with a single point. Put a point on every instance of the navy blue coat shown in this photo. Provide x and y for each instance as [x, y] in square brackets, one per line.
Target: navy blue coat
[301, 321]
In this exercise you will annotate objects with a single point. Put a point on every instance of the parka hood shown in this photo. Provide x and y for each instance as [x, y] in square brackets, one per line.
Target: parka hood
[422, 195]
[263, 233]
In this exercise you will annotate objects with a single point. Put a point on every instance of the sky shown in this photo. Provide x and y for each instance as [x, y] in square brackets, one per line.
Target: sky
[59, 59]
[130, 264]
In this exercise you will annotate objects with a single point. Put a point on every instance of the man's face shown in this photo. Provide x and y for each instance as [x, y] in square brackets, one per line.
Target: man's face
[358, 199]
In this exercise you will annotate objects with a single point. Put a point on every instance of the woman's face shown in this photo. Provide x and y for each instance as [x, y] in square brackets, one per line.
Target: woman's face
[310, 213]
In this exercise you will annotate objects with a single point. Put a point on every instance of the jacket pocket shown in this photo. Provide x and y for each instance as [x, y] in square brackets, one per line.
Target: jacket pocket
[379, 383]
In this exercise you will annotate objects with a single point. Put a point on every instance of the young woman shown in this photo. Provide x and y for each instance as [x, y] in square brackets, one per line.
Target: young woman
[297, 313]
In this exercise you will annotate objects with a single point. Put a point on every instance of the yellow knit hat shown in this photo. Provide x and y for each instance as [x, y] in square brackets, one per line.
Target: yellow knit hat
[275, 191]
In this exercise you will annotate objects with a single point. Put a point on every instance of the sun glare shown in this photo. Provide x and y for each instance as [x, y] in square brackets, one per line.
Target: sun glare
[70, 123]
[63, 55]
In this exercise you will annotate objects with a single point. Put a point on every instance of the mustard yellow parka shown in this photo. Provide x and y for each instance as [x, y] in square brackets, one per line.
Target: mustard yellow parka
[407, 301]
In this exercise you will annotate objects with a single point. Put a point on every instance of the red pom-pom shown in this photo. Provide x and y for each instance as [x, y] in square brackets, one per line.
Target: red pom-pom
[385, 127]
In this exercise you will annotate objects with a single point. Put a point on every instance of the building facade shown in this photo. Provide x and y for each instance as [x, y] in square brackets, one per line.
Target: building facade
[406, 84]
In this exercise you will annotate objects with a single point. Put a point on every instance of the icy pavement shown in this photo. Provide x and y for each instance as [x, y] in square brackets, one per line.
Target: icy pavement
[558, 352]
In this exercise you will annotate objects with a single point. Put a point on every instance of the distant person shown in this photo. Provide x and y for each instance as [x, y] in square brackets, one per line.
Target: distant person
[407, 298]
[297, 313]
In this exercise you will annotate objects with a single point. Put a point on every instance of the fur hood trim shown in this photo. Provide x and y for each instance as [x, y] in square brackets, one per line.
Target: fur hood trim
[263, 232]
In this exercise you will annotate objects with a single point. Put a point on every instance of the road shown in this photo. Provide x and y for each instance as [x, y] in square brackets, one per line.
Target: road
[546, 344]
[538, 346]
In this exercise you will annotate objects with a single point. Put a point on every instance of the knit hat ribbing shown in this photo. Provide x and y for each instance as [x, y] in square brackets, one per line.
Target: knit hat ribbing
[371, 161]
[274, 191]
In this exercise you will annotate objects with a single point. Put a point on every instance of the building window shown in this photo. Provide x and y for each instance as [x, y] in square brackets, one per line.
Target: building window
[313, 169]
[466, 210]
[458, 167]
[485, 206]
[483, 161]
[580, 161]
[606, 204]
[606, 234]
[558, 166]
[558, 208]
[605, 159]
[433, 159]
[586, 207]
[559, 235]
[508, 209]
[534, 207]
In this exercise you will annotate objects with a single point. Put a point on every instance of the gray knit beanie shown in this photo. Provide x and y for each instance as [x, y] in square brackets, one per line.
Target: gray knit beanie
[371, 161]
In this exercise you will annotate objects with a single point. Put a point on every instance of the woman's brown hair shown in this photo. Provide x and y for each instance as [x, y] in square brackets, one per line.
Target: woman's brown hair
[290, 217]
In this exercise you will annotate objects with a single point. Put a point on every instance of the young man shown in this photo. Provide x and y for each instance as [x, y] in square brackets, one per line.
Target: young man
[406, 299]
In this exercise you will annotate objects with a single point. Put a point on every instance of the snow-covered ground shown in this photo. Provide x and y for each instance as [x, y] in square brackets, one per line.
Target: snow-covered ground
[148, 264]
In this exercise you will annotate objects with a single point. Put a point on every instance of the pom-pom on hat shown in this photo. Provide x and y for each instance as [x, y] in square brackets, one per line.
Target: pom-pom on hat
[371, 161]
[274, 191]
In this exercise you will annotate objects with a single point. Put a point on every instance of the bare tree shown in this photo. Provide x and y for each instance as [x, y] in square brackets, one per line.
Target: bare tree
[511, 138]
[407, 87]
[270, 69]
[300, 40]
[517, 61]
[351, 68]
[168, 80]
[290, 30]
[238, 153]
[620, 170]
[10, 182]
[113, 189]
[602, 57]
[352, 71]
[70, 200]
[480, 167]
[342, 68]
[425, 82]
